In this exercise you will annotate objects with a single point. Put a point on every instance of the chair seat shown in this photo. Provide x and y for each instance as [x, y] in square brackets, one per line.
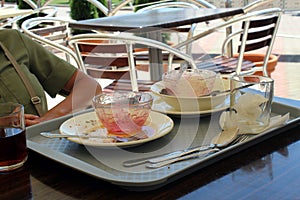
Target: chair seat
[122, 84]
[108, 72]
[258, 60]
[144, 56]
[224, 65]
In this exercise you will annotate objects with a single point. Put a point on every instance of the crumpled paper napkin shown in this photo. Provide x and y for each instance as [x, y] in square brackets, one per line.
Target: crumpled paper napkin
[248, 108]
[230, 129]
[275, 121]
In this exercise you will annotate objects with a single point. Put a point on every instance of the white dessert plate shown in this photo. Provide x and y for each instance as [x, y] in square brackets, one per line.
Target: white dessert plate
[160, 106]
[156, 126]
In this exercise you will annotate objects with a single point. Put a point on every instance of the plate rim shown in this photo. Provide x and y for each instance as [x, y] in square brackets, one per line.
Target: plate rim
[221, 107]
[121, 144]
[217, 108]
[160, 83]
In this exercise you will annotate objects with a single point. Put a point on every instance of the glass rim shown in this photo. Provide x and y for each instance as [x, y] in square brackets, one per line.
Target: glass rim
[15, 104]
[266, 79]
[212, 74]
[95, 98]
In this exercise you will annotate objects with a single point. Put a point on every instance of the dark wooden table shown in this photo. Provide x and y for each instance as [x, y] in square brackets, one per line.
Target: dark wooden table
[268, 170]
[152, 22]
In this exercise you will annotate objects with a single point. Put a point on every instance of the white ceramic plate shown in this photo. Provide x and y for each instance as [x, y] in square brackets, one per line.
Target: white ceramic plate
[160, 106]
[156, 126]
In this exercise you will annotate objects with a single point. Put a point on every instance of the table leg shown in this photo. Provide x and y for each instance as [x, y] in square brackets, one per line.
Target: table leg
[155, 58]
[229, 47]
[228, 4]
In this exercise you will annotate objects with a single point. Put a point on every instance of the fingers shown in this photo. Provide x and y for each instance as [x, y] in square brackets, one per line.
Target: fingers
[31, 119]
[30, 116]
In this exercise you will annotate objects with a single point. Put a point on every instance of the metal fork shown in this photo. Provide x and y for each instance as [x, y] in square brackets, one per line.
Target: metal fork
[200, 154]
[176, 156]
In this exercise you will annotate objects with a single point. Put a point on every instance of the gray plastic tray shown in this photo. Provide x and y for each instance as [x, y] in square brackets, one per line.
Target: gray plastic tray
[106, 164]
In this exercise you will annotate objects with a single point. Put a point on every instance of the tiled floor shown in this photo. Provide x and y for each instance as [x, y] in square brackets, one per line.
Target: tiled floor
[286, 75]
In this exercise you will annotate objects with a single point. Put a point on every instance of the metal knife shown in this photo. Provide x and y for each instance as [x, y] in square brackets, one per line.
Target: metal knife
[167, 156]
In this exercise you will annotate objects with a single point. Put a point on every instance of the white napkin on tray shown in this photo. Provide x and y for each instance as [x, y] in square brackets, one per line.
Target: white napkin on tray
[275, 122]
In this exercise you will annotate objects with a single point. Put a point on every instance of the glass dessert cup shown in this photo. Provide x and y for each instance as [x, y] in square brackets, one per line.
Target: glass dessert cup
[123, 113]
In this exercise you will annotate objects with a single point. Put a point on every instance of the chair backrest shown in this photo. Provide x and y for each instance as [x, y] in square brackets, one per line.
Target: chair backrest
[47, 11]
[183, 29]
[260, 33]
[110, 9]
[55, 32]
[256, 33]
[168, 5]
[104, 59]
[199, 3]
[245, 31]
[129, 41]
[255, 4]
[173, 5]
[52, 32]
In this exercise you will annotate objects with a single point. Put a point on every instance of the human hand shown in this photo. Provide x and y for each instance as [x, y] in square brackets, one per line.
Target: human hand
[31, 119]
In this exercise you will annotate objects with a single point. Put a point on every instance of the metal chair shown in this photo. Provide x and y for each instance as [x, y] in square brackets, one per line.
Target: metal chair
[188, 30]
[109, 10]
[259, 29]
[255, 4]
[53, 33]
[247, 8]
[199, 3]
[48, 11]
[104, 59]
[129, 41]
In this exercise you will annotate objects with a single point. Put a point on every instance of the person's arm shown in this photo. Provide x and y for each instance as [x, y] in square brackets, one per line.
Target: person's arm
[82, 89]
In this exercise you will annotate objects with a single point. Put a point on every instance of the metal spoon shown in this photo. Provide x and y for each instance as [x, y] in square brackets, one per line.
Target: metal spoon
[217, 92]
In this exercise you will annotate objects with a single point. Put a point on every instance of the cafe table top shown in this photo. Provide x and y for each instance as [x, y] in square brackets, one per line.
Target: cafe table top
[268, 170]
[158, 18]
